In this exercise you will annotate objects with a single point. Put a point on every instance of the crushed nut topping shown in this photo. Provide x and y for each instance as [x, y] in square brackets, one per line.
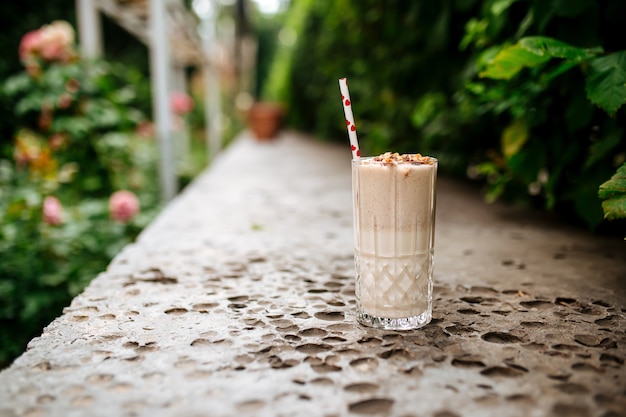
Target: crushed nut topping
[389, 158]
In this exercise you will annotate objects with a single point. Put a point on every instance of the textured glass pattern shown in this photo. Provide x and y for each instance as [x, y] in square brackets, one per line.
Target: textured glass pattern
[393, 287]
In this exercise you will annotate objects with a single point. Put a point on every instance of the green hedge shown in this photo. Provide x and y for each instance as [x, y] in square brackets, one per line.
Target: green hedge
[420, 80]
[77, 182]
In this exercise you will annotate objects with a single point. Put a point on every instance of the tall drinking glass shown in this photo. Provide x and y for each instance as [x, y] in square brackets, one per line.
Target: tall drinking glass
[394, 229]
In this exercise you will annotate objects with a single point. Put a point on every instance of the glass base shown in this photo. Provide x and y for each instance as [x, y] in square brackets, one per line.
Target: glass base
[400, 323]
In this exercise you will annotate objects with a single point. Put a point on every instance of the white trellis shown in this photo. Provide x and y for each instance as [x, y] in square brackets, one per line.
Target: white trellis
[170, 32]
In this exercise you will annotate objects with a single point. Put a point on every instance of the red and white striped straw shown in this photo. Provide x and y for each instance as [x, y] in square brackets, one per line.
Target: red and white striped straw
[347, 109]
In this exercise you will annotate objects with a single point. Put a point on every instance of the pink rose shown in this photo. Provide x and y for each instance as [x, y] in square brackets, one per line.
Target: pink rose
[123, 205]
[52, 211]
[29, 45]
[57, 40]
[53, 42]
[181, 103]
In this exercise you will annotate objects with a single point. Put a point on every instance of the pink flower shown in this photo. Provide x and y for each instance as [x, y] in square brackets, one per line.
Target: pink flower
[123, 205]
[181, 103]
[52, 211]
[53, 42]
[29, 45]
[57, 40]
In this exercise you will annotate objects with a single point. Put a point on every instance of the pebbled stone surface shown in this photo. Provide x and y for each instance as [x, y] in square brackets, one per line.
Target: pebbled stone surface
[239, 298]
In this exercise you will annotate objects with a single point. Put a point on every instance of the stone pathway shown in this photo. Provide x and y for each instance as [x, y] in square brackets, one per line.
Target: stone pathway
[239, 299]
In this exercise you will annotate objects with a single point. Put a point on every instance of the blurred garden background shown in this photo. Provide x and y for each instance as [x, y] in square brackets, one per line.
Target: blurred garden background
[523, 97]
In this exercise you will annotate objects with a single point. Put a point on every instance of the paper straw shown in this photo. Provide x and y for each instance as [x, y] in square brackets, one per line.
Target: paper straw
[347, 109]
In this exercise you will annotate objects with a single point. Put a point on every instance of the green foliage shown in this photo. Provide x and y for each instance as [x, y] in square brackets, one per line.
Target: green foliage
[274, 87]
[269, 29]
[582, 145]
[393, 54]
[20, 17]
[78, 140]
[606, 83]
[44, 266]
[605, 78]
[509, 61]
[525, 96]
[613, 192]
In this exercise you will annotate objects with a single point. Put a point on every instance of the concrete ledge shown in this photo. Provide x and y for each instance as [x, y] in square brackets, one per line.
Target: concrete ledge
[238, 300]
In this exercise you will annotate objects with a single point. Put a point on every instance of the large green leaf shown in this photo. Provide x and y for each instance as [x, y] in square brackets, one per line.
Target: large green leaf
[533, 51]
[544, 46]
[606, 82]
[510, 60]
[613, 192]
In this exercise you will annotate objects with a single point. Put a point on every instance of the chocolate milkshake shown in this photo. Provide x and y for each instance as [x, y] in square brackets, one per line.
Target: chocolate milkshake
[394, 214]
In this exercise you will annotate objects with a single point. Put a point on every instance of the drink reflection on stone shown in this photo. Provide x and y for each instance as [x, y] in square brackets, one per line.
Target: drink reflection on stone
[394, 216]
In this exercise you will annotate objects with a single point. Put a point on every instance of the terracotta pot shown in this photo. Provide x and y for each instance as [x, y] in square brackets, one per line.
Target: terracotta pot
[265, 120]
